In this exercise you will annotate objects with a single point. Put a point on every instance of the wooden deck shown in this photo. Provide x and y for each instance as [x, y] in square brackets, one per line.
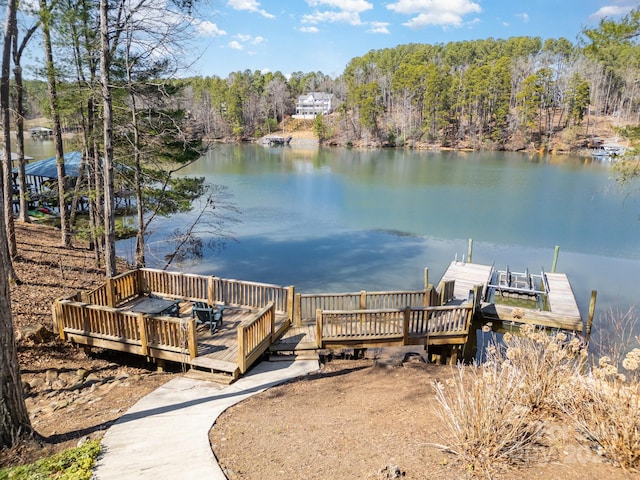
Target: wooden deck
[466, 276]
[219, 351]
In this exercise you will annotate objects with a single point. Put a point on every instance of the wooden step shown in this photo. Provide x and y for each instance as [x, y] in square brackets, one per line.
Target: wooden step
[215, 377]
[213, 365]
[292, 347]
[306, 355]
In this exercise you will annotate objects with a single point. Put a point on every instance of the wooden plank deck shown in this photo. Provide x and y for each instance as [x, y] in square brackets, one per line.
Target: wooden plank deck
[466, 276]
[297, 338]
[561, 298]
[219, 351]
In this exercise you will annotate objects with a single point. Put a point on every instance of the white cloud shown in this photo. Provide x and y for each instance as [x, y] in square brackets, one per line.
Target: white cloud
[257, 40]
[235, 45]
[209, 29]
[242, 37]
[435, 12]
[309, 29]
[524, 16]
[351, 18]
[611, 11]
[339, 11]
[358, 6]
[250, 6]
[379, 27]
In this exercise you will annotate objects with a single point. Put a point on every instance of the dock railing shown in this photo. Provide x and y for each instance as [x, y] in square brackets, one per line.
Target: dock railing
[401, 326]
[306, 305]
[255, 336]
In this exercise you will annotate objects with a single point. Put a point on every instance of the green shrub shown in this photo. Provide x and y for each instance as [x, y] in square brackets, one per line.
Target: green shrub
[73, 464]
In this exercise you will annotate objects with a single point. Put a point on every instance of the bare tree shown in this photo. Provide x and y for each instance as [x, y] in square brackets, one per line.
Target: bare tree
[14, 418]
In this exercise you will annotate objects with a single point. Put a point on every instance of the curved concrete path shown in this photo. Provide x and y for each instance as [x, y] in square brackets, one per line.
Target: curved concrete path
[166, 434]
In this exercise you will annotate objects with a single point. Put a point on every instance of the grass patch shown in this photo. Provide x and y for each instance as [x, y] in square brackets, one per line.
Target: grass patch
[73, 464]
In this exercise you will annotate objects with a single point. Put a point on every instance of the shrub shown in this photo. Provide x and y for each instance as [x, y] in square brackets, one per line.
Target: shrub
[485, 425]
[73, 464]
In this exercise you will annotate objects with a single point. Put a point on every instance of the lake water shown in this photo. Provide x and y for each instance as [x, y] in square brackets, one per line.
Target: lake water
[339, 220]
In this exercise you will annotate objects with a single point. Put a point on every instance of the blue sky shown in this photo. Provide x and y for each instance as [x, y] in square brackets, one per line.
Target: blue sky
[323, 35]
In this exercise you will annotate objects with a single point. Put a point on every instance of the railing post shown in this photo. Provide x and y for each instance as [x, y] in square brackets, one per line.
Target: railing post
[363, 300]
[272, 314]
[211, 290]
[297, 309]
[319, 328]
[291, 294]
[111, 293]
[405, 325]
[142, 327]
[58, 319]
[192, 339]
[242, 359]
[426, 278]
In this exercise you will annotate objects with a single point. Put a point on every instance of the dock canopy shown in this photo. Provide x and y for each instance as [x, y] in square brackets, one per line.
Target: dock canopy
[48, 167]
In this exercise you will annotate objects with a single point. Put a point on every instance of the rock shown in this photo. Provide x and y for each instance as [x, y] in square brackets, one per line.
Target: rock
[58, 384]
[93, 378]
[51, 375]
[25, 386]
[33, 333]
[83, 440]
[390, 472]
[82, 373]
[37, 383]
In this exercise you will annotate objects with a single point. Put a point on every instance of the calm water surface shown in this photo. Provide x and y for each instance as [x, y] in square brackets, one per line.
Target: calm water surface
[342, 220]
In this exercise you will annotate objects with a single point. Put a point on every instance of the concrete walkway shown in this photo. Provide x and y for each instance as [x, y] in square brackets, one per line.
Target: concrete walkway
[166, 434]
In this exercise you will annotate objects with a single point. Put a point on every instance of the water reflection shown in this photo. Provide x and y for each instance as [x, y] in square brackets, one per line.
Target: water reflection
[347, 220]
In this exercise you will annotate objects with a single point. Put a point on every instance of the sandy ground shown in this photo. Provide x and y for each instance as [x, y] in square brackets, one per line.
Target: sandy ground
[356, 420]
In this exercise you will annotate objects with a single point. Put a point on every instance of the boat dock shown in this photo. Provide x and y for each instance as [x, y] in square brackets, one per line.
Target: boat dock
[262, 319]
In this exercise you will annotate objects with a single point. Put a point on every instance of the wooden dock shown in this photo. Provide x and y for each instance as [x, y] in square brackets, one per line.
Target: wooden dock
[466, 276]
[261, 318]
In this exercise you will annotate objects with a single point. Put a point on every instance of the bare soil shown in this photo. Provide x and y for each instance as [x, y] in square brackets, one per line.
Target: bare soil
[356, 419]
[69, 395]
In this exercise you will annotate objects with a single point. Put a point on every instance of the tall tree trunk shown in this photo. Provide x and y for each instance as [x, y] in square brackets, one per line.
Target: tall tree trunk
[19, 118]
[7, 186]
[109, 204]
[14, 418]
[57, 131]
[7, 163]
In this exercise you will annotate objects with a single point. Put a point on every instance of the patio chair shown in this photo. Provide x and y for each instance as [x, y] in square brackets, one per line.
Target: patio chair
[207, 314]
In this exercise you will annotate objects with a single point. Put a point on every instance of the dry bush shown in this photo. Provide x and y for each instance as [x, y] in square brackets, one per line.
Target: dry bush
[610, 415]
[485, 426]
[546, 365]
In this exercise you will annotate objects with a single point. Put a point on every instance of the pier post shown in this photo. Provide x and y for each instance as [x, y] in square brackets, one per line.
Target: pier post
[426, 278]
[592, 309]
[470, 251]
[555, 259]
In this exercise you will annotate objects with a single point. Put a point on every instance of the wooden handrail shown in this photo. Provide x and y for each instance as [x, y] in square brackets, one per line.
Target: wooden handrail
[255, 336]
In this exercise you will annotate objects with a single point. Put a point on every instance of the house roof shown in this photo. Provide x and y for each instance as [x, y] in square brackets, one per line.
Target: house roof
[48, 167]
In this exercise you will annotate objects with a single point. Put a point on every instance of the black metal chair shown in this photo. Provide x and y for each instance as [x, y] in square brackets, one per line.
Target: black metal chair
[207, 314]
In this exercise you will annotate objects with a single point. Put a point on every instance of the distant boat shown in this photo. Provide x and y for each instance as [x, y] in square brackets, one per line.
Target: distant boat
[40, 132]
[276, 141]
[608, 152]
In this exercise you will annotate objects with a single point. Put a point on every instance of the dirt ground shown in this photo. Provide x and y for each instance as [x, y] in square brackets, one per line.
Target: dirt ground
[69, 395]
[356, 419]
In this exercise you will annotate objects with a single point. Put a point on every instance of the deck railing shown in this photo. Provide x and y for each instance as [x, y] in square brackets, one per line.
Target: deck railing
[306, 305]
[255, 336]
[253, 294]
[404, 326]
[96, 325]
